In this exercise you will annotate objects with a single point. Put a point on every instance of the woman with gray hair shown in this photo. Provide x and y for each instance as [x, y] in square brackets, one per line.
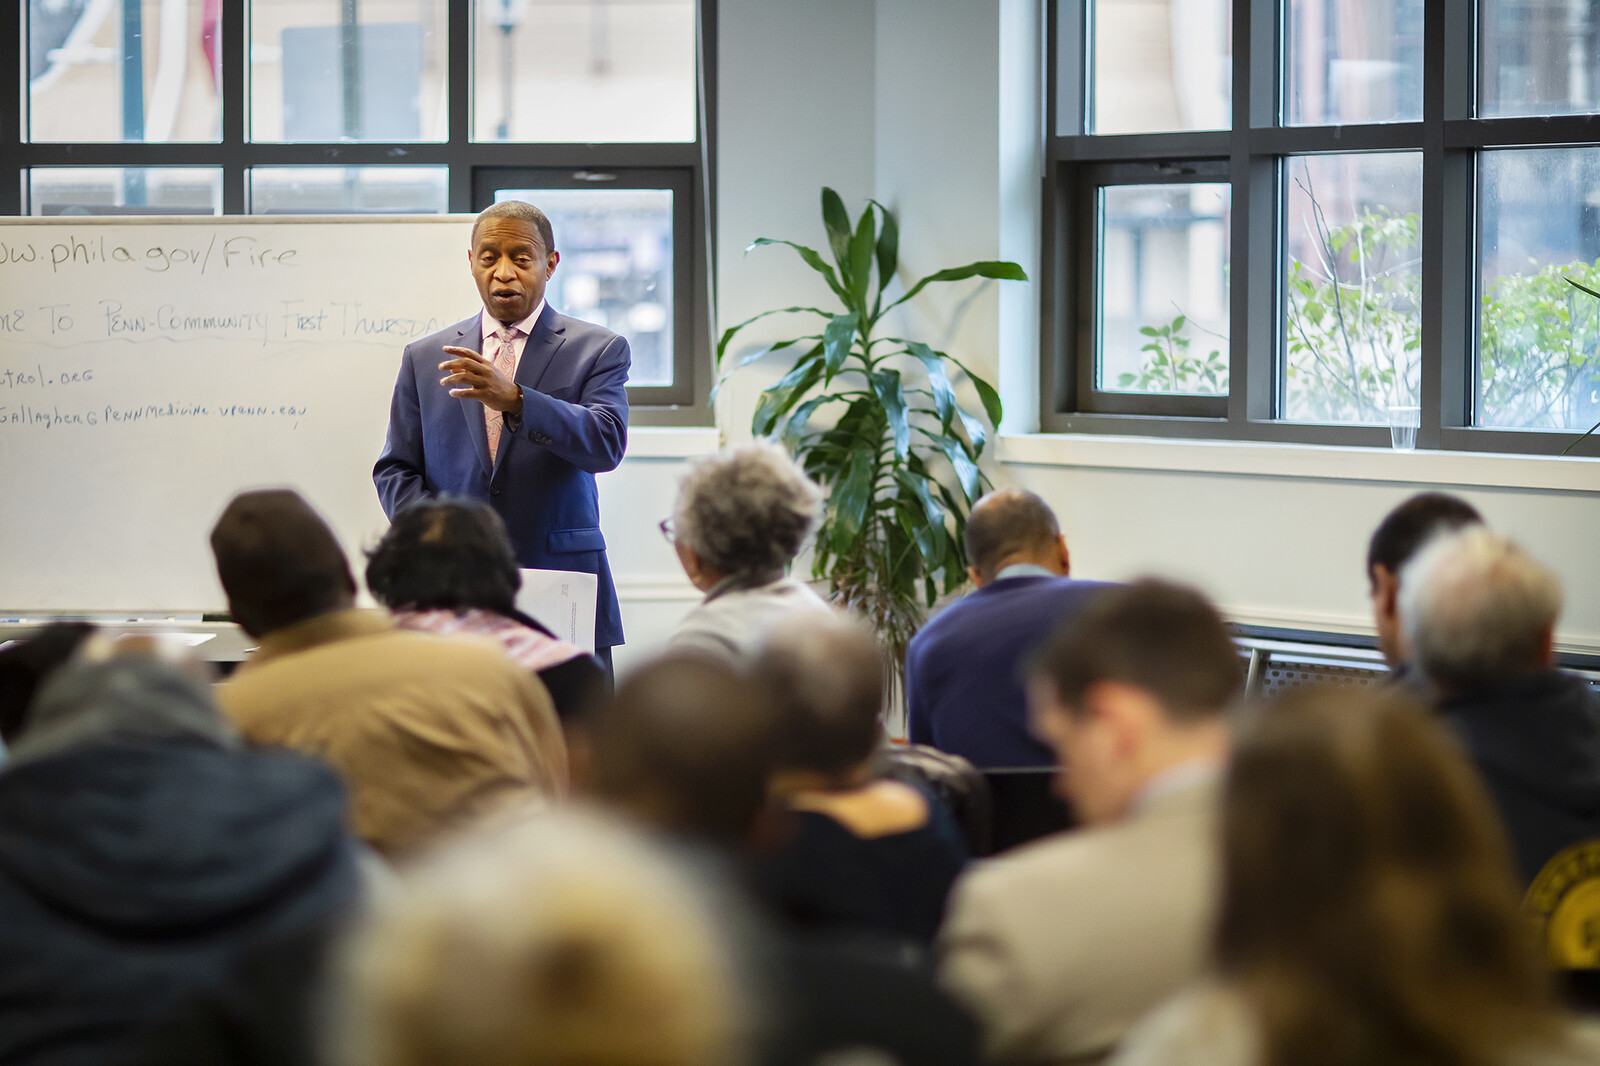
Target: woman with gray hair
[740, 519]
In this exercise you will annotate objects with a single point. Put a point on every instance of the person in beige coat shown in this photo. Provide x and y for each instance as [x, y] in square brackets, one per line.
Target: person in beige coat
[1060, 946]
[428, 732]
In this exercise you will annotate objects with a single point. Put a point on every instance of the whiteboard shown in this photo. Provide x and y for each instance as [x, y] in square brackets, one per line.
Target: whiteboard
[151, 369]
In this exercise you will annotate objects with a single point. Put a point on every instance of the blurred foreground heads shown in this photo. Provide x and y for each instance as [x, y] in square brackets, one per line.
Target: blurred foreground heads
[1369, 912]
[567, 940]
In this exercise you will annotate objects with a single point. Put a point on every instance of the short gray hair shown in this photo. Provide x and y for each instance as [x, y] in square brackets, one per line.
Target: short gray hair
[1477, 609]
[746, 510]
[522, 210]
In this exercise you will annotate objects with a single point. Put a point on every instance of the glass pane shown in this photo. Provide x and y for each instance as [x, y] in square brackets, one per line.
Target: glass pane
[616, 266]
[1164, 289]
[344, 190]
[1145, 82]
[1353, 286]
[584, 71]
[322, 70]
[1539, 337]
[125, 190]
[1354, 61]
[1538, 57]
[123, 72]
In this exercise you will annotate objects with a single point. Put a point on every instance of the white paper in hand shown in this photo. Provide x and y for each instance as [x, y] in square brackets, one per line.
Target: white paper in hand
[563, 601]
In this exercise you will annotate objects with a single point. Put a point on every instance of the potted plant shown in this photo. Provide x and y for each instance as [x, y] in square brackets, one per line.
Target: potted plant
[876, 421]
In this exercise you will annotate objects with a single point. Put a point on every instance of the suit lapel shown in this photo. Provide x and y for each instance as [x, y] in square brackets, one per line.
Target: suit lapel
[540, 351]
[470, 335]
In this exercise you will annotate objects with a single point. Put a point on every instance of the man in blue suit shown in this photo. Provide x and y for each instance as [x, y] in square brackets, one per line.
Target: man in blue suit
[964, 687]
[518, 405]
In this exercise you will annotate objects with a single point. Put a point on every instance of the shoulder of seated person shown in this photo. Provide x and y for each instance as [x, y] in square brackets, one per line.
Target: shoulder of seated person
[882, 808]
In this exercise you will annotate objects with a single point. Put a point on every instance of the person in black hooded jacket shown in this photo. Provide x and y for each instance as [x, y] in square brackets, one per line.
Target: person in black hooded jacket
[164, 894]
[1480, 614]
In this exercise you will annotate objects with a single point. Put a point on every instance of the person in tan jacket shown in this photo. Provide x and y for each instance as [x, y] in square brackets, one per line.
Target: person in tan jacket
[1061, 945]
[427, 732]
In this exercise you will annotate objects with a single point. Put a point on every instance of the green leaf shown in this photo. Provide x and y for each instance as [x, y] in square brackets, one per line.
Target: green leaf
[999, 269]
[836, 339]
[966, 469]
[837, 222]
[886, 383]
[1591, 292]
[777, 400]
[944, 394]
[795, 429]
[932, 515]
[888, 250]
[751, 357]
[861, 246]
[849, 501]
[811, 259]
[986, 393]
[975, 431]
[727, 334]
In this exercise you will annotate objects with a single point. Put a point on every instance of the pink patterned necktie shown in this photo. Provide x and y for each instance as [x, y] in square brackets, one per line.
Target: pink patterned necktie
[505, 361]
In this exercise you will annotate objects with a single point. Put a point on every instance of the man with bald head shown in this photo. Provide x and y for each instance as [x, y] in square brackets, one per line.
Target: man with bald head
[516, 405]
[964, 691]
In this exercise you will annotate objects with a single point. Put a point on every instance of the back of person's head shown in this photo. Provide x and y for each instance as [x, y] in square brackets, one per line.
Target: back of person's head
[445, 552]
[278, 561]
[26, 664]
[1409, 526]
[567, 940]
[1009, 524]
[746, 510]
[1368, 902]
[1153, 635]
[686, 745]
[825, 679]
[1478, 610]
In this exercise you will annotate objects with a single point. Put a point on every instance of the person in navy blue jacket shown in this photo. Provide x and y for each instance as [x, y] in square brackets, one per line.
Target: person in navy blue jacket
[517, 405]
[964, 690]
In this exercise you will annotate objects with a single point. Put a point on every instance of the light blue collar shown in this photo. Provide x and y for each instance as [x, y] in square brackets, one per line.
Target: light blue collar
[1024, 570]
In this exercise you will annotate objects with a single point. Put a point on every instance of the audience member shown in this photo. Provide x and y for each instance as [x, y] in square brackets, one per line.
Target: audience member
[740, 519]
[857, 851]
[446, 565]
[428, 732]
[566, 940]
[1368, 913]
[166, 895]
[964, 668]
[1480, 614]
[1062, 944]
[27, 663]
[687, 747]
[1400, 535]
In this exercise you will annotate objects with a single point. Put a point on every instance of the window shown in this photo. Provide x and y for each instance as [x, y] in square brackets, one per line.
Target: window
[594, 109]
[1316, 220]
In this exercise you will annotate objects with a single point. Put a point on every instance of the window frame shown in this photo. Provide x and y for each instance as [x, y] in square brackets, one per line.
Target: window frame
[475, 167]
[1253, 151]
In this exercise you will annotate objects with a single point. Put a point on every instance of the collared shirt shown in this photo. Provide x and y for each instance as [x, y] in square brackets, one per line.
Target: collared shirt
[1024, 570]
[520, 331]
[1188, 774]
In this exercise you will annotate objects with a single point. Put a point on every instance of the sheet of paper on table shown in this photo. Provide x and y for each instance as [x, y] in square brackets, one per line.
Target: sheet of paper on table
[563, 601]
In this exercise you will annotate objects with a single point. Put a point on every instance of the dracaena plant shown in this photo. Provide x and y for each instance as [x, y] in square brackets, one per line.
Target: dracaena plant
[875, 420]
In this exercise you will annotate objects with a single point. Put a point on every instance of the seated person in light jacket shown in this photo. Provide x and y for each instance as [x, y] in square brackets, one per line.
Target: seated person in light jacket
[741, 517]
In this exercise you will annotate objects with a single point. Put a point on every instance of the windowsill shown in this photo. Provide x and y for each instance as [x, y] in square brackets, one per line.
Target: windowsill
[1255, 459]
[672, 442]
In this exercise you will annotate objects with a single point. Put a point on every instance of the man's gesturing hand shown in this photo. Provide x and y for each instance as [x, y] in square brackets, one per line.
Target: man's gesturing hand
[472, 377]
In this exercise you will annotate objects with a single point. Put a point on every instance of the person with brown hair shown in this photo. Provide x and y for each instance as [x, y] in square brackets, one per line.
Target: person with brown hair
[1368, 910]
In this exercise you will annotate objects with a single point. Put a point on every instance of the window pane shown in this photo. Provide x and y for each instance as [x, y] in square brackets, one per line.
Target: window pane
[378, 76]
[1539, 338]
[1354, 61]
[1538, 57]
[123, 72]
[584, 71]
[616, 266]
[344, 190]
[125, 190]
[1164, 289]
[1161, 66]
[1352, 287]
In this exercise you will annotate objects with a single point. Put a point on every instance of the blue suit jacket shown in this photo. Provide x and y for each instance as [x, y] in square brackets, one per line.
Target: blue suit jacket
[964, 686]
[574, 425]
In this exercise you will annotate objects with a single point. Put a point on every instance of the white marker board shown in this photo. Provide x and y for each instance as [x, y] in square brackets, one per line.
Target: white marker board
[151, 369]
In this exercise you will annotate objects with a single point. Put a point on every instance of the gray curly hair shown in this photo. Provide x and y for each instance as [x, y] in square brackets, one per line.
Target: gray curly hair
[746, 510]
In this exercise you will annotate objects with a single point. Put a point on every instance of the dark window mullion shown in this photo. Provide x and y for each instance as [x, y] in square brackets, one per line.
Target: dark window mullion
[234, 50]
[458, 89]
[1255, 331]
[12, 101]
